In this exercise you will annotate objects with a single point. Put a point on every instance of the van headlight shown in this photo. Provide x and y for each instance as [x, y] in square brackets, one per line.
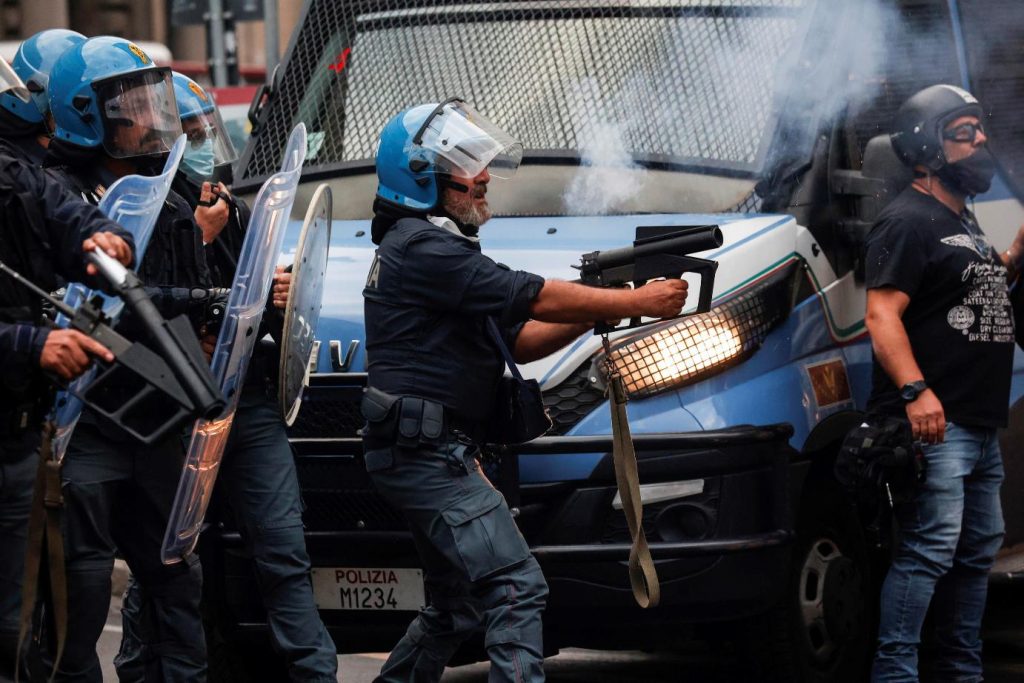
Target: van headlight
[697, 346]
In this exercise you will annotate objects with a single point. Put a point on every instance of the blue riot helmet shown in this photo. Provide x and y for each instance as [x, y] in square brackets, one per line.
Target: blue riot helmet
[209, 154]
[32, 62]
[107, 92]
[421, 149]
[11, 85]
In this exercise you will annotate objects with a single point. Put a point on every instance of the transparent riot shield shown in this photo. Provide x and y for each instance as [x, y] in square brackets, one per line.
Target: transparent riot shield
[134, 202]
[238, 337]
[302, 310]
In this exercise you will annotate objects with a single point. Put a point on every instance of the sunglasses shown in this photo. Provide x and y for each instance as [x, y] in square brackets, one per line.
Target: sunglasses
[965, 132]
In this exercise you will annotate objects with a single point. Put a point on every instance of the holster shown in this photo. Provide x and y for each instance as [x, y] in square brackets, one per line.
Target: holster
[405, 421]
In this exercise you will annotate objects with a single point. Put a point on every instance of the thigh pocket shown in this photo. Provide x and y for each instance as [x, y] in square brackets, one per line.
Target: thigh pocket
[486, 537]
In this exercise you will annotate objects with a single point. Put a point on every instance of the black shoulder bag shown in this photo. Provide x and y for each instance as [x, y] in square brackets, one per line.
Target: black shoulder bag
[519, 415]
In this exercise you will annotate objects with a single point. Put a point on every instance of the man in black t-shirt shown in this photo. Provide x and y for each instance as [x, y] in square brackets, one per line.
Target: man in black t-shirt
[942, 331]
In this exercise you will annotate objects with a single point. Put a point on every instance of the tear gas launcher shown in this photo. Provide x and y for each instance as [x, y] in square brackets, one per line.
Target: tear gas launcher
[657, 252]
[148, 394]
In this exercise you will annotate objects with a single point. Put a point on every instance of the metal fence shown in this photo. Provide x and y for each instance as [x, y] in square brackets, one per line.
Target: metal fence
[691, 82]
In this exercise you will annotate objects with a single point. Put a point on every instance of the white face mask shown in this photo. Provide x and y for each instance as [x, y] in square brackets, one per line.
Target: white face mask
[198, 162]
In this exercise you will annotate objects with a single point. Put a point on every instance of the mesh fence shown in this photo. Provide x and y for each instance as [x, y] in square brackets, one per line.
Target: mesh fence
[692, 81]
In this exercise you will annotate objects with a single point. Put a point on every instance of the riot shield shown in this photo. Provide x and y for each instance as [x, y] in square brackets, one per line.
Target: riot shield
[134, 202]
[302, 310]
[235, 343]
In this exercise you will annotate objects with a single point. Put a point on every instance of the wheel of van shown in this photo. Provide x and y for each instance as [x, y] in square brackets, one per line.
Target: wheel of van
[823, 631]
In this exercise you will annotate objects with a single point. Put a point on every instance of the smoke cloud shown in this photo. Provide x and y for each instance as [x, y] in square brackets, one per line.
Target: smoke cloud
[609, 176]
[714, 93]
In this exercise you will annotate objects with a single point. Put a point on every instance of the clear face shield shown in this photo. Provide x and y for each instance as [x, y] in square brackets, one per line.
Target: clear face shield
[11, 83]
[466, 142]
[140, 117]
[209, 147]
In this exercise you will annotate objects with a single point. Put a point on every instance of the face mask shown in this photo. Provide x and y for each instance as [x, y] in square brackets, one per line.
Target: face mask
[198, 162]
[150, 164]
[970, 176]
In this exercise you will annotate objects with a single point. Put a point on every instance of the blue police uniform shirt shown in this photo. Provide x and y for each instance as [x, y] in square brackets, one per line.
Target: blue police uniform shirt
[66, 224]
[427, 298]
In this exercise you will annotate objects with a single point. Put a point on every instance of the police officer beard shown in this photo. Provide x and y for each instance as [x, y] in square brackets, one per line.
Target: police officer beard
[466, 207]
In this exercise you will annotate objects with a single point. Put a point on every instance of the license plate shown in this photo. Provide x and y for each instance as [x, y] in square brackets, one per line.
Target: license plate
[362, 588]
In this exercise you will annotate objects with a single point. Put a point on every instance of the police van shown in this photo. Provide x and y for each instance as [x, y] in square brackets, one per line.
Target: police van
[766, 118]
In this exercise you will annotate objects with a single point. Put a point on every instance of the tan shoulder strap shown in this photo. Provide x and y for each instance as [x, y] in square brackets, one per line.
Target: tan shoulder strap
[44, 529]
[642, 574]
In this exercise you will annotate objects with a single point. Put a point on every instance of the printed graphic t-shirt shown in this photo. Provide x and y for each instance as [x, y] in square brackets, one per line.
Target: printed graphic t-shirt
[959, 319]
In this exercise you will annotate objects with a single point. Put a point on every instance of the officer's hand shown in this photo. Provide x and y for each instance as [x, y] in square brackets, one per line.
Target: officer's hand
[927, 418]
[661, 298]
[208, 343]
[110, 243]
[282, 285]
[212, 219]
[66, 353]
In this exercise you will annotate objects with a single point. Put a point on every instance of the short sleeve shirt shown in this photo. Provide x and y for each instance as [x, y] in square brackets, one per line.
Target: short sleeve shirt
[959, 319]
[427, 298]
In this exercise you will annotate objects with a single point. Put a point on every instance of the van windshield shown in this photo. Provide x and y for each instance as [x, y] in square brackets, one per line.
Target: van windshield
[675, 81]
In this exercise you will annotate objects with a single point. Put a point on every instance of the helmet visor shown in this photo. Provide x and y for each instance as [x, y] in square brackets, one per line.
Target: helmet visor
[466, 142]
[140, 117]
[11, 83]
[209, 144]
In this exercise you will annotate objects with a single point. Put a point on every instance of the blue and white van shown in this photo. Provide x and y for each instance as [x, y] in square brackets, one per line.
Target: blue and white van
[766, 118]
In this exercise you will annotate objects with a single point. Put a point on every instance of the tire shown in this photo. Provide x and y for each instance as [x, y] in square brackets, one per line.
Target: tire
[824, 628]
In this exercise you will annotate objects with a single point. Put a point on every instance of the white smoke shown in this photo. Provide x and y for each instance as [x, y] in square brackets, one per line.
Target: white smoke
[608, 176]
[737, 94]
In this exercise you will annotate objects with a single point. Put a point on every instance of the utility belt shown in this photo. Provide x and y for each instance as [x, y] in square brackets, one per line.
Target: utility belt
[25, 415]
[28, 396]
[411, 422]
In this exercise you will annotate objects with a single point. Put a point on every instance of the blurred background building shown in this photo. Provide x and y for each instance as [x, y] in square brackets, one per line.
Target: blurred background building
[183, 26]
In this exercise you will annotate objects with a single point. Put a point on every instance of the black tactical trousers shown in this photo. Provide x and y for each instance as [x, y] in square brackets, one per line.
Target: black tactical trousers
[117, 498]
[477, 567]
[18, 463]
[258, 478]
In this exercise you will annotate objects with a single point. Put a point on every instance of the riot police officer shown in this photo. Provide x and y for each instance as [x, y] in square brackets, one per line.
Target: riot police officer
[115, 114]
[437, 313]
[43, 232]
[26, 126]
[257, 479]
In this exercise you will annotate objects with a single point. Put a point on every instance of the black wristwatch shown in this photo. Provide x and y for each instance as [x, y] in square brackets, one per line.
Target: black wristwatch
[910, 391]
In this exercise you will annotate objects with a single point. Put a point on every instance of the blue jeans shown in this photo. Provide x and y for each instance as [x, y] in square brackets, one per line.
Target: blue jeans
[949, 536]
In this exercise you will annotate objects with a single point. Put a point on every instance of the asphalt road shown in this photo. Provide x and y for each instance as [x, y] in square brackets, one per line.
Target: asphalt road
[1004, 656]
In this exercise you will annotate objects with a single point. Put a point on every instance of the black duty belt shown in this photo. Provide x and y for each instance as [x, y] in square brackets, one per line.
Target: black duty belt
[411, 421]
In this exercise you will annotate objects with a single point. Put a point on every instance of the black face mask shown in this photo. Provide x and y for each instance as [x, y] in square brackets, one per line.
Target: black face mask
[970, 176]
[151, 164]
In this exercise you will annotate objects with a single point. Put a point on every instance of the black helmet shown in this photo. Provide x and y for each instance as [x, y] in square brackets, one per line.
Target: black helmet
[917, 127]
